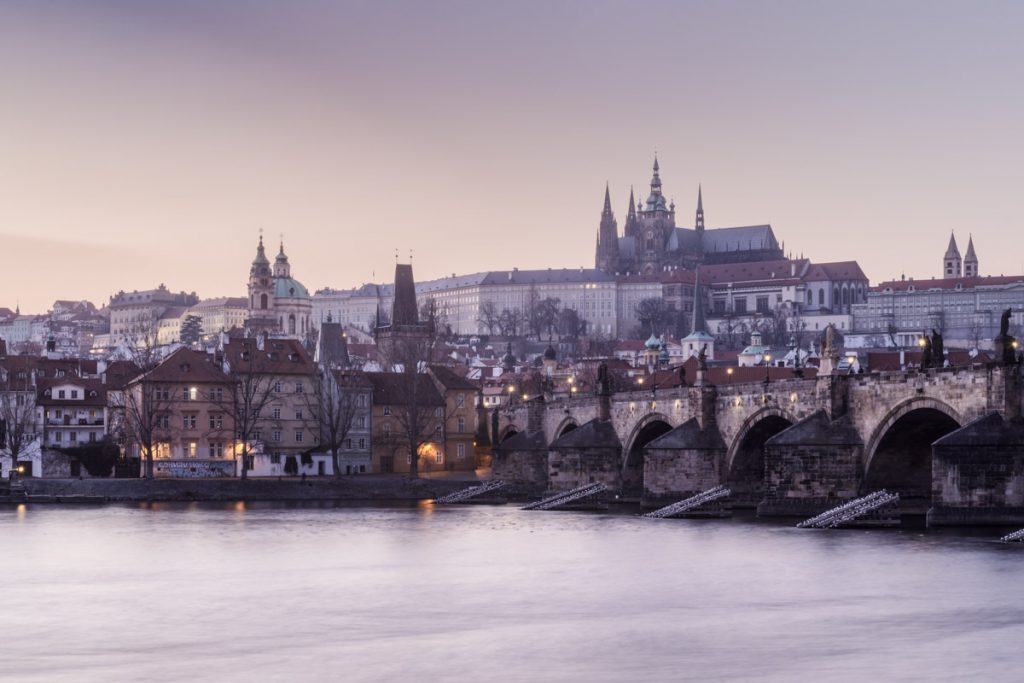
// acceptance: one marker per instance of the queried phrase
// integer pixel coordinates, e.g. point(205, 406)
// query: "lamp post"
point(767, 367)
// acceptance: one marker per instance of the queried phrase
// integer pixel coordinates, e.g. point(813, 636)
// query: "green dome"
point(653, 343)
point(285, 287)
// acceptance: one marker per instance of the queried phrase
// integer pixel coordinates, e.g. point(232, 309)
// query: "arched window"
point(810, 297)
point(263, 301)
point(821, 297)
point(846, 296)
point(835, 297)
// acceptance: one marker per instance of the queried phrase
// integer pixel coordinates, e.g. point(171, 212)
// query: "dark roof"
point(689, 435)
point(351, 380)
point(837, 270)
point(560, 275)
point(746, 238)
point(403, 309)
point(278, 357)
point(818, 429)
point(594, 434)
point(186, 365)
point(989, 430)
point(395, 388)
point(452, 380)
point(332, 348)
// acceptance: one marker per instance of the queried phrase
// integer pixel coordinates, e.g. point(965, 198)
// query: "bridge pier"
point(811, 467)
point(589, 454)
point(978, 474)
point(682, 463)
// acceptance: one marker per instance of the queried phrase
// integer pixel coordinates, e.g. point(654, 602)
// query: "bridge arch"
point(567, 425)
point(744, 461)
point(646, 430)
point(508, 432)
point(898, 456)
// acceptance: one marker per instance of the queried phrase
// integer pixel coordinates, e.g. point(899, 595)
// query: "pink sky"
point(148, 142)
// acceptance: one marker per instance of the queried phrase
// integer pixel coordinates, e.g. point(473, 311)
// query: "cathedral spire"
point(698, 306)
point(699, 223)
point(607, 252)
point(656, 178)
point(656, 201)
point(631, 214)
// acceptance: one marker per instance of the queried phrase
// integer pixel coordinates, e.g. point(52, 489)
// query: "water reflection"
point(254, 591)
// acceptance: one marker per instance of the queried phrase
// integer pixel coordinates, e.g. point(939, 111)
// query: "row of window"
point(58, 437)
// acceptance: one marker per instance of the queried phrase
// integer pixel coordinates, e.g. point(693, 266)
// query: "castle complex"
point(651, 242)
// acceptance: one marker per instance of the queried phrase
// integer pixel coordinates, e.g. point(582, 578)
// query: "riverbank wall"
point(368, 488)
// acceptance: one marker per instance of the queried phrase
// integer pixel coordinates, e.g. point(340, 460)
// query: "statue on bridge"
point(604, 384)
point(1006, 344)
point(938, 352)
point(926, 351)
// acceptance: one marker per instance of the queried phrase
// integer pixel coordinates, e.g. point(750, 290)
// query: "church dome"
point(287, 287)
point(653, 343)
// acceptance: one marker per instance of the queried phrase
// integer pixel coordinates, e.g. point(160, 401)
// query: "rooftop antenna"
point(410, 256)
point(396, 254)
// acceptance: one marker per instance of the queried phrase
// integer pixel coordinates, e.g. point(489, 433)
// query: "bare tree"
point(337, 406)
point(143, 404)
point(489, 317)
point(651, 314)
point(547, 315)
point(433, 315)
point(17, 414)
point(534, 321)
point(251, 392)
point(417, 414)
point(511, 322)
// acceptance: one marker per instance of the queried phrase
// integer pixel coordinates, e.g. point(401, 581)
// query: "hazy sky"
point(148, 141)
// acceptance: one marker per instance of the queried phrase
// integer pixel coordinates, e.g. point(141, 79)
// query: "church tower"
point(281, 266)
point(632, 227)
point(608, 238)
point(698, 224)
point(261, 285)
point(951, 262)
point(657, 220)
point(970, 260)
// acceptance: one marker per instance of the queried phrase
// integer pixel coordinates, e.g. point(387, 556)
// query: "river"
point(235, 593)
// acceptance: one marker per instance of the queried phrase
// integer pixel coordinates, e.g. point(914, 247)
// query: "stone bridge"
point(949, 440)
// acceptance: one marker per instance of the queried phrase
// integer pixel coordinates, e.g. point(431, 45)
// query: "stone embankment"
point(363, 488)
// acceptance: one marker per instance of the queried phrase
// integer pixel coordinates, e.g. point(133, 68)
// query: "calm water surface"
point(493, 594)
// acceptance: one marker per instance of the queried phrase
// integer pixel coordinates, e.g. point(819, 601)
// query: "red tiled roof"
point(881, 361)
point(278, 357)
point(186, 365)
point(948, 283)
point(754, 271)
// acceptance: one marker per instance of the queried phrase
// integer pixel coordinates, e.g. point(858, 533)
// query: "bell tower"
point(261, 285)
